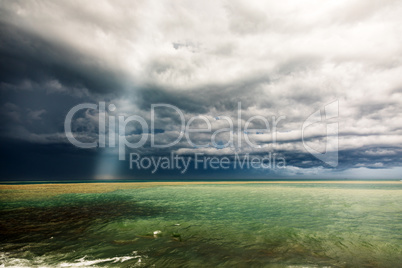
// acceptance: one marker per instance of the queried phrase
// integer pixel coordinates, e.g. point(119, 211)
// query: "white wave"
point(81, 262)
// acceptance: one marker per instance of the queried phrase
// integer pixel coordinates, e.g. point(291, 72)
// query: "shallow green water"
point(230, 225)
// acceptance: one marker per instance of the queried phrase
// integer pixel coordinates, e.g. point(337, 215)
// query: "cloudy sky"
point(325, 71)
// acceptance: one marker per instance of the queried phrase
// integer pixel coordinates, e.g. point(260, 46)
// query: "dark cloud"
point(30, 161)
point(275, 59)
point(202, 100)
point(28, 57)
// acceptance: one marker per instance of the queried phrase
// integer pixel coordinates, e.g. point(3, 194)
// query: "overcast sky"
point(277, 59)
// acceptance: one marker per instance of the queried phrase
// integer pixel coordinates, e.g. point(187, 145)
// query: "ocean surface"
point(205, 225)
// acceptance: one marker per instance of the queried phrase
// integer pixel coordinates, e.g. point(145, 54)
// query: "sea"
point(275, 224)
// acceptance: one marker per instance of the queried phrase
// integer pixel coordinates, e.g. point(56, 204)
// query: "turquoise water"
point(228, 225)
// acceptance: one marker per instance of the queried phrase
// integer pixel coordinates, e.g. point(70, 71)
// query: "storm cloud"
point(285, 59)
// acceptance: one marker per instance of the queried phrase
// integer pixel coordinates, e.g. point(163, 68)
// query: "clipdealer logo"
point(111, 136)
